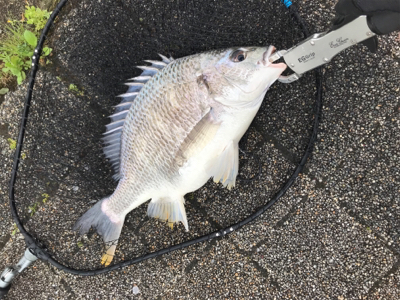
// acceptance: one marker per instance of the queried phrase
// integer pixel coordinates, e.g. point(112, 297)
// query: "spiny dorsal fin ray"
point(110, 141)
point(114, 125)
point(111, 147)
point(141, 78)
point(115, 130)
point(123, 106)
point(156, 63)
point(119, 116)
point(112, 136)
point(148, 70)
point(139, 85)
point(126, 95)
point(165, 59)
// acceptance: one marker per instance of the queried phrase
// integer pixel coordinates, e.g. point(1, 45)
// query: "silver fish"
point(178, 125)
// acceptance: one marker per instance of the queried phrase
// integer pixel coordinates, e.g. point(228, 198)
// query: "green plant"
point(15, 51)
point(73, 88)
point(16, 229)
point(36, 16)
point(3, 91)
point(18, 46)
point(46, 197)
point(12, 143)
point(33, 208)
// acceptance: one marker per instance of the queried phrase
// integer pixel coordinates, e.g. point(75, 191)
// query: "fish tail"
point(109, 229)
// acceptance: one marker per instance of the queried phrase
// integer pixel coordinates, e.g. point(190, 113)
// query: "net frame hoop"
point(38, 250)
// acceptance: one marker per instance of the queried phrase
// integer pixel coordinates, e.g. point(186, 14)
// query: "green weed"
point(32, 209)
point(16, 229)
point(46, 197)
point(36, 17)
point(12, 143)
point(16, 49)
point(3, 91)
point(73, 88)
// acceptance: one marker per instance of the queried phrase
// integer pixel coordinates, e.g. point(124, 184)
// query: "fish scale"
point(179, 124)
point(154, 113)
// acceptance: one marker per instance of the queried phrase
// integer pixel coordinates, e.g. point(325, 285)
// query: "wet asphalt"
point(335, 234)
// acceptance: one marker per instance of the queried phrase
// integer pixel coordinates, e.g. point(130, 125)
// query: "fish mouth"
point(265, 58)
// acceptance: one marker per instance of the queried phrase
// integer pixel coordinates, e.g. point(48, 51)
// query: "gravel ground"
point(336, 232)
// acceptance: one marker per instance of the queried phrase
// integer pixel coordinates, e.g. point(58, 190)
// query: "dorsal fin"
point(112, 136)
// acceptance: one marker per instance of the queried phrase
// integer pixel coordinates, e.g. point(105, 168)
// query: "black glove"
point(383, 16)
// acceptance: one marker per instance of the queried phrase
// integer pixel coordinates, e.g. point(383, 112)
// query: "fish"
point(177, 126)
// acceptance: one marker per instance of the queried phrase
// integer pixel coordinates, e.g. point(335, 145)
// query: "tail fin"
point(109, 230)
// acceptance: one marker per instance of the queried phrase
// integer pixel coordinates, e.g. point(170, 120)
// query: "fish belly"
point(195, 172)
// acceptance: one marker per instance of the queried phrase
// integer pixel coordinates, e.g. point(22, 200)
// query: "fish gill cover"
point(95, 50)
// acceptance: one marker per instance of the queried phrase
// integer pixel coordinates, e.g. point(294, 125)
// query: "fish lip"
point(265, 58)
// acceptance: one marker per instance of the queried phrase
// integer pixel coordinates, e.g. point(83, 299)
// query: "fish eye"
point(238, 56)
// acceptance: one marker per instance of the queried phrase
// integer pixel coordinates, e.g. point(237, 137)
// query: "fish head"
point(243, 75)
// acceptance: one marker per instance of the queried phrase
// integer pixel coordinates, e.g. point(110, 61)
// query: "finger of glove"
point(347, 7)
point(360, 7)
point(384, 22)
point(372, 6)
point(339, 20)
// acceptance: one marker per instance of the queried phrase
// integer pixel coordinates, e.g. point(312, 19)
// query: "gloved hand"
point(383, 16)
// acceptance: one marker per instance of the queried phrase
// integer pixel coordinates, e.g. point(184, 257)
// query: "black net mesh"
point(95, 50)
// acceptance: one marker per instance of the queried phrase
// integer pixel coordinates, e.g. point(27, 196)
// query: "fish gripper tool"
point(320, 48)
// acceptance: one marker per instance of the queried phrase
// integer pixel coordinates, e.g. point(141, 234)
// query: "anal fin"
point(224, 168)
point(168, 209)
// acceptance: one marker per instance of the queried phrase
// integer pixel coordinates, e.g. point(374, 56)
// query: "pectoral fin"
point(224, 168)
point(198, 138)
